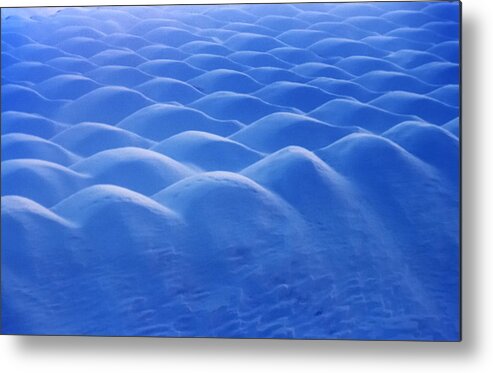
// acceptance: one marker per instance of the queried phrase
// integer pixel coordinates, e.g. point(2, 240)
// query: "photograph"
point(242, 171)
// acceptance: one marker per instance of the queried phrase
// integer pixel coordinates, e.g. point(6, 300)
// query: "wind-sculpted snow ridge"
point(276, 170)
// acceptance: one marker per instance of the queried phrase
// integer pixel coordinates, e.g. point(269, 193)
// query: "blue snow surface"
point(258, 171)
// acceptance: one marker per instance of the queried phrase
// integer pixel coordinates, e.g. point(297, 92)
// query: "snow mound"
point(241, 27)
point(257, 59)
point(253, 42)
point(441, 73)
point(66, 86)
point(432, 144)
point(119, 75)
point(217, 206)
point(172, 36)
point(358, 156)
point(117, 57)
point(354, 10)
point(340, 29)
point(409, 18)
point(31, 124)
point(92, 107)
point(37, 52)
point(448, 94)
point(30, 71)
point(170, 69)
point(344, 112)
point(295, 55)
point(21, 145)
point(268, 75)
point(160, 121)
point(300, 38)
point(205, 47)
point(208, 62)
point(71, 64)
point(8, 59)
point(426, 108)
point(88, 138)
point(278, 130)
point(340, 87)
point(318, 69)
point(28, 214)
point(161, 52)
point(207, 151)
point(372, 23)
point(299, 176)
point(341, 47)
point(137, 169)
point(453, 127)
point(168, 89)
point(231, 14)
point(126, 41)
point(388, 81)
point(236, 106)
point(93, 202)
point(445, 28)
point(68, 32)
point(442, 11)
point(24, 99)
point(359, 65)
point(15, 39)
point(412, 58)
point(41, 181)
point(420, 35)
point(281, 22)
point(82, 46)
point(225, 80)
point(297, 95)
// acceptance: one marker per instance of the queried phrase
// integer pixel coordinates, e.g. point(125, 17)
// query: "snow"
point(137, 169)
point(259, 171)
point(20, 145)
point(160, 121)
point(167, 89)
point(90, 107)
point(344, 112)
point(88, 138)
point(296, 95)
point(208, 151)
point(278, 130)
point(225, 80)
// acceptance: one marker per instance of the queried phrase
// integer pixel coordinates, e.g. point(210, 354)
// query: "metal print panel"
point(250, 171)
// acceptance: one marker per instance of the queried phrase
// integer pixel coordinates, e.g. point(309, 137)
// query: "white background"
point(474, 354)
